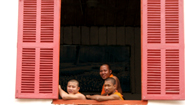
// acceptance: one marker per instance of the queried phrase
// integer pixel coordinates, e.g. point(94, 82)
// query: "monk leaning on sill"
point(73, 91)
point(110, 91)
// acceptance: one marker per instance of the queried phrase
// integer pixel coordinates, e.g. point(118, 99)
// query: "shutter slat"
point(28, 83)
point(29, 21)
point(46, 70)
point(153, 21)
point(173, 56)
point(171, 16)
point(47, 21)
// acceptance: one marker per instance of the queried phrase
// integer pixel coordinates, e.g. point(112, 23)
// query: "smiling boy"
point(110, 91)
point(73, 91)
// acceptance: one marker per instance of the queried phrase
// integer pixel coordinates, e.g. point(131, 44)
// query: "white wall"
point(8, 45)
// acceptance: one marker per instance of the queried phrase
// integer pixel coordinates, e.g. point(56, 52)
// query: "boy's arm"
point(61, 91)
point(67, 96)
point(103, 98)
point(73, 97)
point(92, 96)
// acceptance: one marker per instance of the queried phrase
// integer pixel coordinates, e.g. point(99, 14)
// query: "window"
point(162, 49)
point(101, 33)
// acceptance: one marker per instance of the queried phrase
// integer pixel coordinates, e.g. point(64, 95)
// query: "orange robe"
point(103, 91)
point(119, 94)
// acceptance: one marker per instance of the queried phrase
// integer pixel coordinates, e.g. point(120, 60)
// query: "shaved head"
point(109, 67)
point(73, 80)
point(113, 81)
point(73, 86)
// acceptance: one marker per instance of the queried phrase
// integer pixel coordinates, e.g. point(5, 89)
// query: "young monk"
point(106, 72)
point(73, 91)
point(110, 91)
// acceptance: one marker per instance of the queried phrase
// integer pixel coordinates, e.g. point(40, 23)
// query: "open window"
point(161, 52)
point(94, 32)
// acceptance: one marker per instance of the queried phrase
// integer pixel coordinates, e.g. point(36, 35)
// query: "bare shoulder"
point(81, 96)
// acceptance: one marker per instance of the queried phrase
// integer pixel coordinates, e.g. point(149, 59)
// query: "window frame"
point(60, 101)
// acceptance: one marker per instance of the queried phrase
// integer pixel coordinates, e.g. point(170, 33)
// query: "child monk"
point(72, 91)
point(110, 91)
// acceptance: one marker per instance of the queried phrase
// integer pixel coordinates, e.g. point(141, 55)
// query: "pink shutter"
point(38, 49)
point(162, 50)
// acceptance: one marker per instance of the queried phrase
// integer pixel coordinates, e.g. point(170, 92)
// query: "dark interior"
point(94, 32)
point(100, 13)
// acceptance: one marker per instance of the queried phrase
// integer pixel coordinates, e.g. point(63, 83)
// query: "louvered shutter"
point(38, 49)
point(162, 50)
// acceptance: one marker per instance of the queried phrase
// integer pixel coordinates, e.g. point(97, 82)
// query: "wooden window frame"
point(60, 101)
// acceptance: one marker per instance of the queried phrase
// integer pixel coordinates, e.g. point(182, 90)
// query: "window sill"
point(128, 102)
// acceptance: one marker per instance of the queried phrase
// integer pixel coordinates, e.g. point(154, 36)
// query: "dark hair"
point(73, 80)
point(111, 79)
point(107, 65)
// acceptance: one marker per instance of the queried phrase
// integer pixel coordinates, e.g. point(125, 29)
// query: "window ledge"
point(128, 102)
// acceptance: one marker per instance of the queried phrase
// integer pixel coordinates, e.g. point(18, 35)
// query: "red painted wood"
point(162, 49)
point(110, 102)
point(38, 49)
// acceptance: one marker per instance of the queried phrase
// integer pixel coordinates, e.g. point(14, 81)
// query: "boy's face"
point(72, 88)
point(105, 72)
point(109, 87)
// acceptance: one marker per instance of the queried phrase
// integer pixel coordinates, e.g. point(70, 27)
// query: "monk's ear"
point(110, 71)
point(78, 88)
point(115, 86)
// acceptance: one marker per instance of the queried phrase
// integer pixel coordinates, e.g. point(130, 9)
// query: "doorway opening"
point(94, 32)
